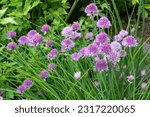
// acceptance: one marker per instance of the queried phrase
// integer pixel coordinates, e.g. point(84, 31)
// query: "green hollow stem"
point(72, 9)
point(117, 14)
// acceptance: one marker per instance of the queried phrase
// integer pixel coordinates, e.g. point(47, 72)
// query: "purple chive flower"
point(37, 38)
point(103, 22)
point(83, 51)
point(23, 40)
point(124, 67)
point(31, 33)
point(1, 98)
point(143, 72)
point(123, 33)
point(66, 31)
point(129, 41)
point(143, 86)
point(51, 66)
point(67, 44)
point(105, 48)
point(44, 74)
point(75, 26)
point(101, 38)
point(75, 35)
point(89, 36)
point(91, 10)
point(122, 53)
point(92, 50)
point(75, 56)
point(101, 65)
point(53, 53)
point(77, 75)
point(116, 46)
point(113, 57)
point(130, 78)
point(21, 89)
point(49, 43)
point(45, 28)
point(11, 45)
point(118, 37)
point(27, 84)
point(11, 34)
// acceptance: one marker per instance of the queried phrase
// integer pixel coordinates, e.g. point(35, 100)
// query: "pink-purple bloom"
point(129, 41)
point(130, 78)
point(11, 46)
point(67, 44)
point(49, 43)
point(122, 53)
point(45, 28)
point(75, 35)
point(75, 56)
point(124, 67)
point(89, 36)
point(11, 34)
point(44, 74)
point(83, 51)
point(91, 10)
point(143, 86)
point(123, 33)
point(113, 57)
point(51, 66)
point(53, 53)
point(101, 65)
point(105, 48)
point(35, 40)
point(116, 46)
point(77, 75)
point(92, 50)
point(21, 89)
point(103, 22)
point(66, 31)
point(101, 38)
point(118, 37)
point(31, 33)
point(143, 72)
point(23, 40)
point(28, 84)
point(75, 26)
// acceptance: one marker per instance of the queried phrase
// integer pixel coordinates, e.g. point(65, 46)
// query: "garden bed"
point(94, 58)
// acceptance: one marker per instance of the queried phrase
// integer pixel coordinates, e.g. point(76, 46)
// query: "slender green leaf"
point(2, 12)
point(8, 20)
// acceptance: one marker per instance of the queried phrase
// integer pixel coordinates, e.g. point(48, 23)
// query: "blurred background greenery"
point(23, 15)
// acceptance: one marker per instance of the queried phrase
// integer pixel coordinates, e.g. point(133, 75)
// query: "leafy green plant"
point(22, 15)
point(146, 6)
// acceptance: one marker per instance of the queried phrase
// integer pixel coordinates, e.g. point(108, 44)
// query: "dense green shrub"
point(22, 15)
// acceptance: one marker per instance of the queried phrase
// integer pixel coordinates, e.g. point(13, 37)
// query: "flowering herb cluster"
point(104, 50)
